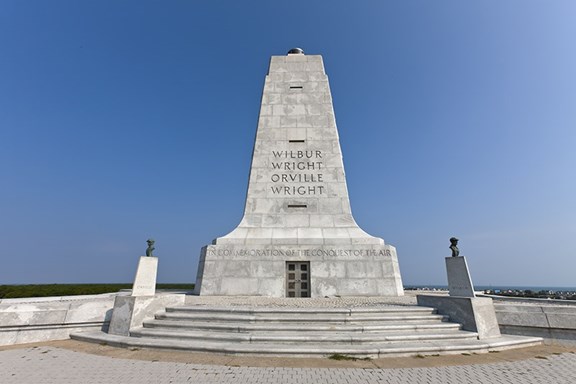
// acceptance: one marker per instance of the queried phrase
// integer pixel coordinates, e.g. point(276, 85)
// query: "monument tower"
point(297, 237)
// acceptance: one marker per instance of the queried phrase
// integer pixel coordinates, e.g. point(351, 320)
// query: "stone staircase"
point(389, 330)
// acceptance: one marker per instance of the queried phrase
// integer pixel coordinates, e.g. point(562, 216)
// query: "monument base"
point(299, 270)
point(476, 314)
point(145, 280)
point(131, 311)
point(459, 280)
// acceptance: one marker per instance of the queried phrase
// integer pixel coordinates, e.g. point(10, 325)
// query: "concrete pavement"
point(73, 362)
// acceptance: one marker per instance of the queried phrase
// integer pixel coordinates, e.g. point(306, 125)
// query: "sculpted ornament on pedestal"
point(454, 247)
point(150, 248)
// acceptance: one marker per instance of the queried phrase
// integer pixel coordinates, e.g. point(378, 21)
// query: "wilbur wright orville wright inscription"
point(297, 237)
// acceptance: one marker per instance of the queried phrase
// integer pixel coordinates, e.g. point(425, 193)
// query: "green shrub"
point(46, 290)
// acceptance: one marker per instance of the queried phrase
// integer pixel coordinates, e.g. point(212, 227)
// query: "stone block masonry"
point(297, 236)
point(355, 270)
point(52, 318)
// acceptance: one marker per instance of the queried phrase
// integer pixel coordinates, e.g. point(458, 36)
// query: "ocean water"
point(501, 287)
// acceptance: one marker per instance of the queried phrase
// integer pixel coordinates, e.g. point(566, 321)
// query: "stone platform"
point(356, 326)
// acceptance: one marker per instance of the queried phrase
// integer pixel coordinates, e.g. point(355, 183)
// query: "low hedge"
point(45, 290)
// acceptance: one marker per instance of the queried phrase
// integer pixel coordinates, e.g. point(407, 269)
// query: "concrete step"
point(279, 331)
point(407, 348)
point(313, 317)
point(303, 337)
point(284, 311)
point(298, 328)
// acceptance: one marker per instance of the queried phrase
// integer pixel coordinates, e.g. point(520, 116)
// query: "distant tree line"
point(46, 290)
point(559, 295)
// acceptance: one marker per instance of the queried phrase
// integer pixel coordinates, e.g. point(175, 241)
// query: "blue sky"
point(124, 120)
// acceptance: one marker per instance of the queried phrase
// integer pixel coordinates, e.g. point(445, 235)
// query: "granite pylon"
point(298, 237)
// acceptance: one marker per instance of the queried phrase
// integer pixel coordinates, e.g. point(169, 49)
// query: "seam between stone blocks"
point(546, 316)
point(69, 307)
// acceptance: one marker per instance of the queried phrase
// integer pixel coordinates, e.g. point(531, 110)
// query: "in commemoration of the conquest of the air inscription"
point(297, 236)
point(314, 252)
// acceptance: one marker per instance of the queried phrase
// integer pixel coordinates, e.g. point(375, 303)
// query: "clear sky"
point(124, 120)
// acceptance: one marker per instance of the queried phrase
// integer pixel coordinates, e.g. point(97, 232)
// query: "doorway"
point(297, 279)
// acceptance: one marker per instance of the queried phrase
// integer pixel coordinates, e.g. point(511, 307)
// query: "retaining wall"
point(52, 318)
point(551, 321)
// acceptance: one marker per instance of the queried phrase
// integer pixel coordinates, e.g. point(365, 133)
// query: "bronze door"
point(297, 279)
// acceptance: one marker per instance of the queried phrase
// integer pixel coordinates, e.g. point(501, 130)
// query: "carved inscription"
point(297, 167)
point(297, 252)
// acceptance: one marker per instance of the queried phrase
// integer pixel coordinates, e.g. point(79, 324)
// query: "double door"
point(297, 279)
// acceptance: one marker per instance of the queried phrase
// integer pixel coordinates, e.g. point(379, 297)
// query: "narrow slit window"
point(296, 87)
point(296, 141)
point(297, 206)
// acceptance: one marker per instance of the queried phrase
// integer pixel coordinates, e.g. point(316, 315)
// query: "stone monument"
point(476, 314)
point(146, 273)
point(459, 279)
point(129, 311)
point(297, 237)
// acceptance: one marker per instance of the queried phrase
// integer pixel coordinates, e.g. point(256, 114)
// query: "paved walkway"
point(53, 364)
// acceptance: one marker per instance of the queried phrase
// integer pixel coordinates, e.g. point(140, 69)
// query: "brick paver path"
point(47, 364)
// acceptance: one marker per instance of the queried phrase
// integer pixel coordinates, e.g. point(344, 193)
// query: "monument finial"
point(296, 51)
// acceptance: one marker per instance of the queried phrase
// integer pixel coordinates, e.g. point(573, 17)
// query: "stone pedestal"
point(334, 270)
point(131, 311)
point(297, 212)
point(476, 314)
point(145, 280)
point(459, 280)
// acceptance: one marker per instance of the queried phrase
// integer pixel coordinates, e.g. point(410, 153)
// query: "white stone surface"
point(549, 320)
point(476, 314)
point(353, 270)
point(297, 202)
point(131, 311)
point(145, 280)
point(459, 280)
point(52, 318)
